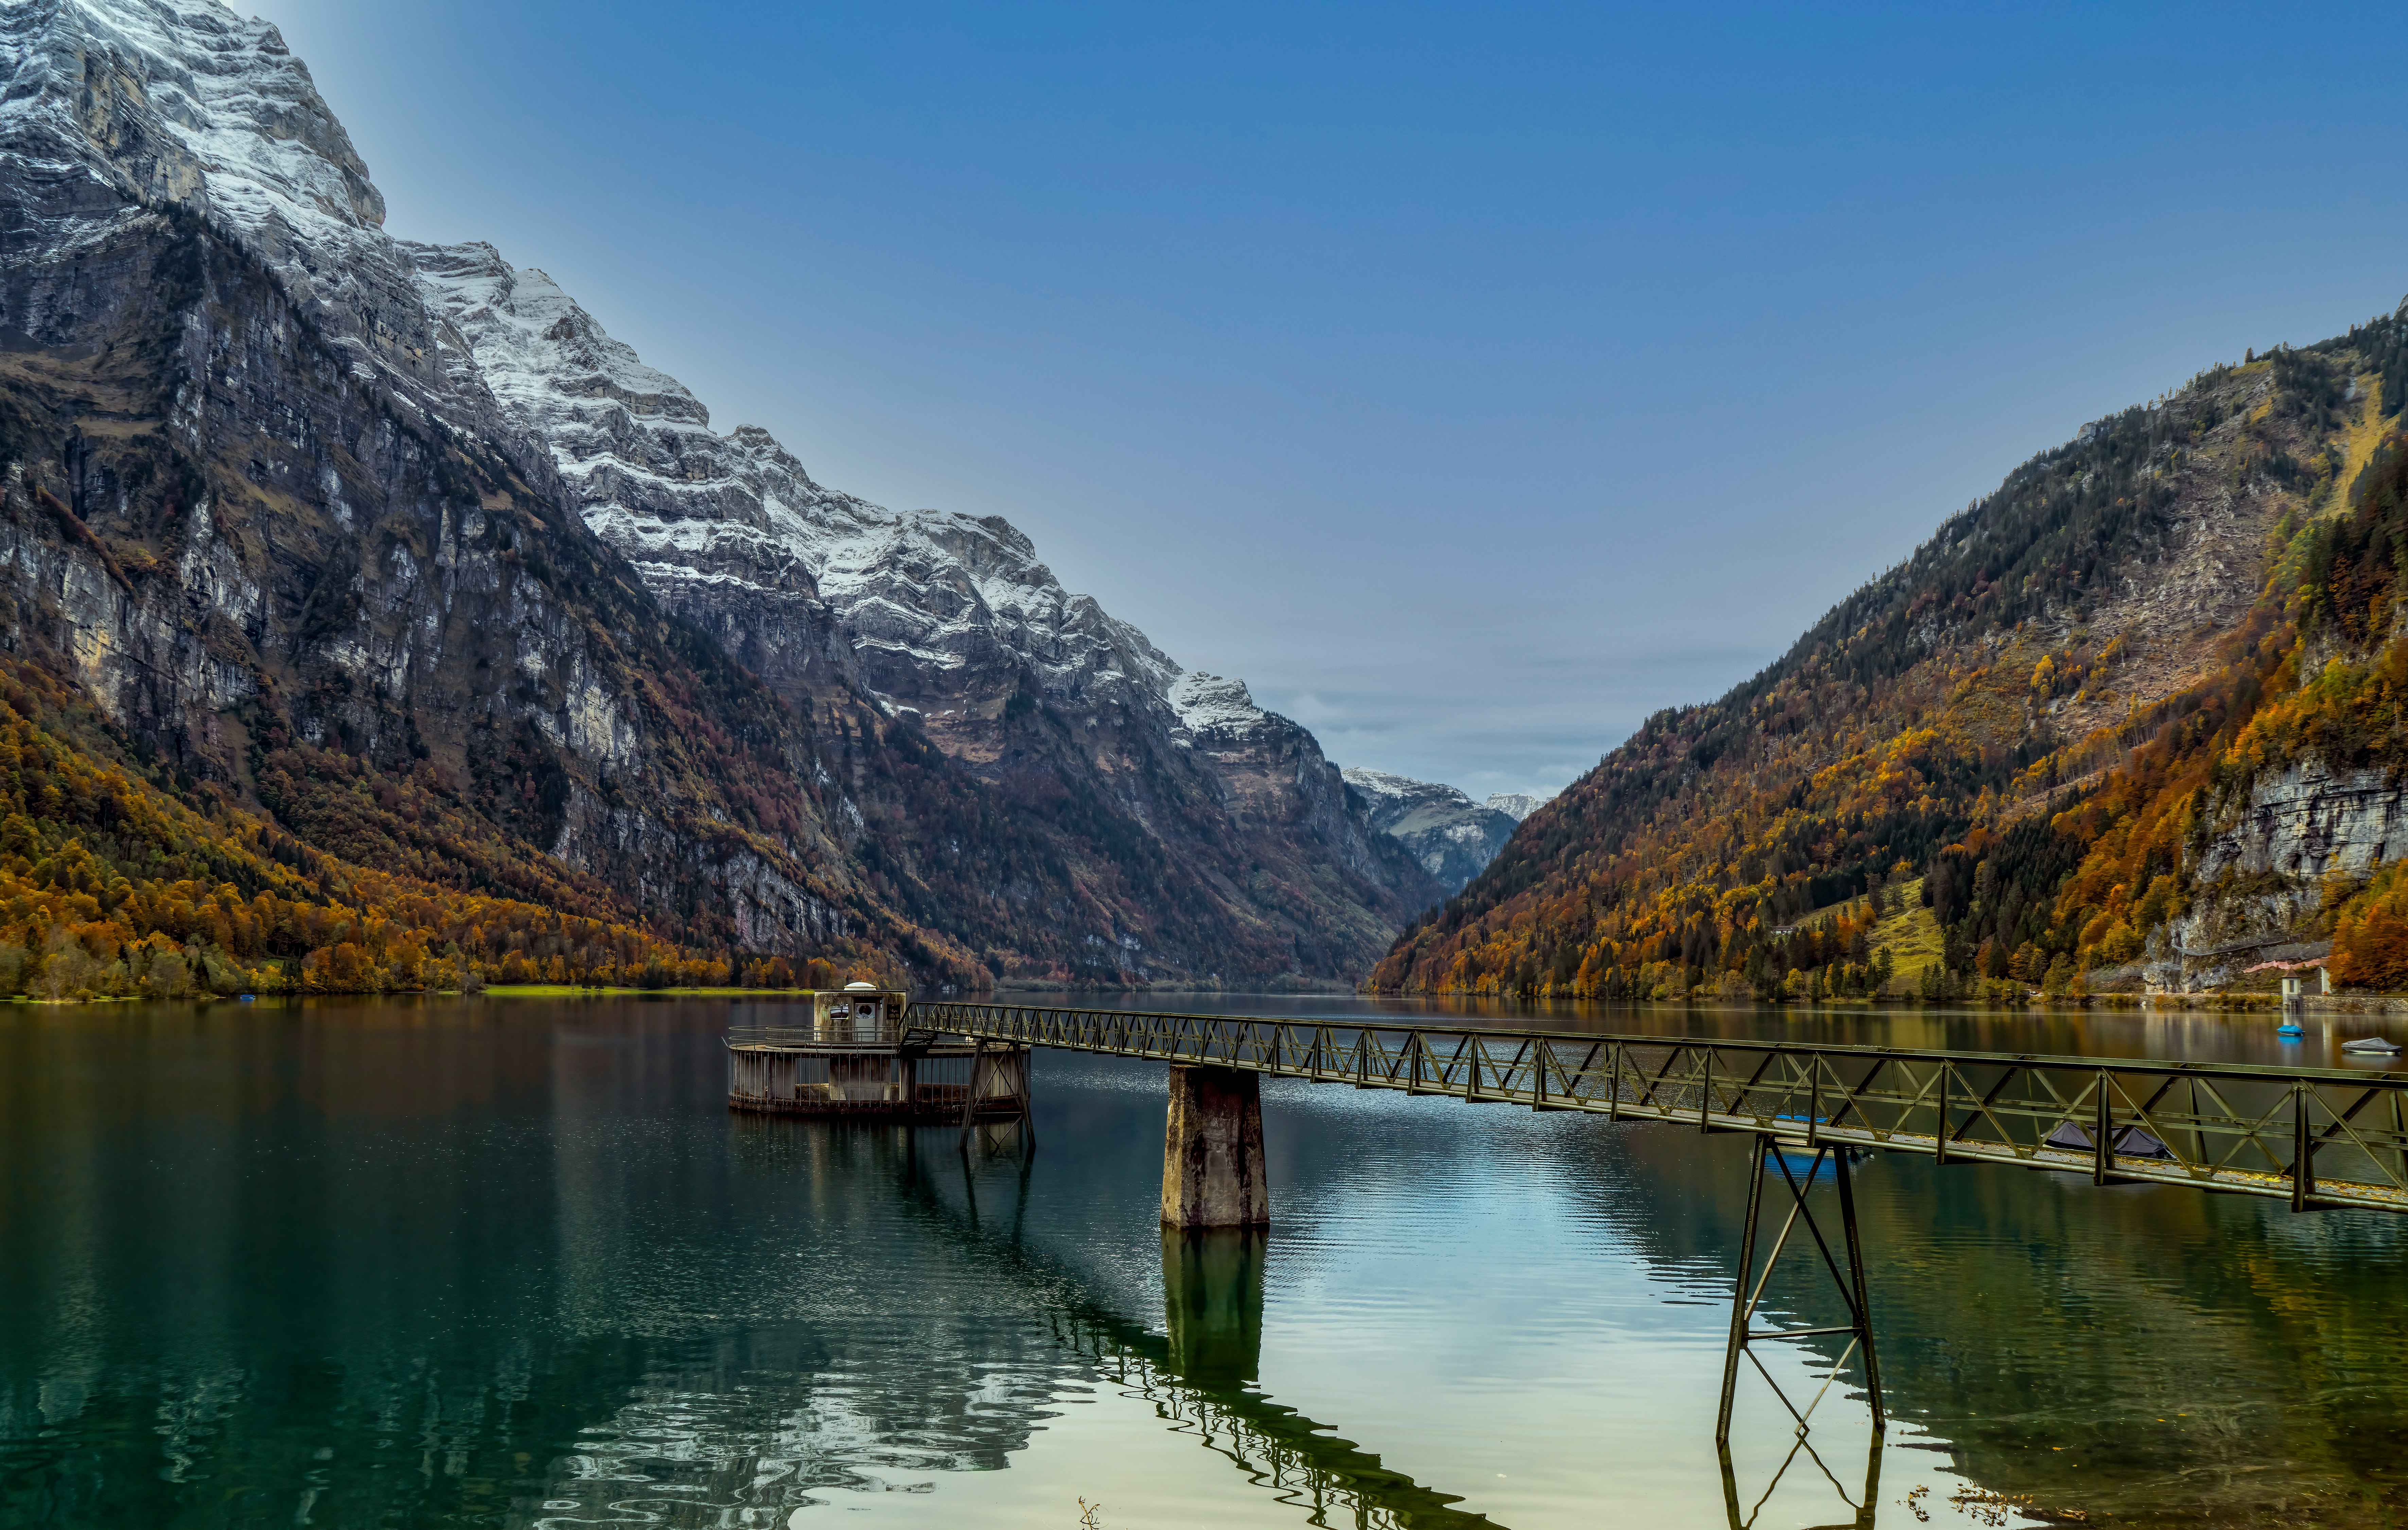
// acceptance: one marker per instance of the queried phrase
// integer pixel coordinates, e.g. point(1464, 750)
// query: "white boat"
point(2372, 1045)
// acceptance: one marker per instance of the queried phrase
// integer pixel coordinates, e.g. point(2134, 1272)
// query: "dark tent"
point(2132, 1142)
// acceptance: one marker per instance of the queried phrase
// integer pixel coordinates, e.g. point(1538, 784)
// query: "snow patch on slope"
point(1208, 703)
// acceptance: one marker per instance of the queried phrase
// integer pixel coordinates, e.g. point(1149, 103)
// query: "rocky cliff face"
point(2264, 865)
point(1452, 836)
point(251, 507)
point(397, 542)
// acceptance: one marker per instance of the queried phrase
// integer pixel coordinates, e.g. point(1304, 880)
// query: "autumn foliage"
point(1911, 734)
point(116, 879)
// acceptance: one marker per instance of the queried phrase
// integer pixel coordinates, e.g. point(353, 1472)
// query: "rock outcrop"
point(2262, 870)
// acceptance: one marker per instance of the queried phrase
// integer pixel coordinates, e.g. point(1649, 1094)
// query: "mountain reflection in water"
point(512, 1262)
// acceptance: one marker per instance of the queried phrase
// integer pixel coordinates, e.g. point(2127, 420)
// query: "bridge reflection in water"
point(1201, 1372)
point(2318, 1138)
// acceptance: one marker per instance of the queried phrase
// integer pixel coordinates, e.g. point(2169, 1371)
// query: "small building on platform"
point(852, 1053)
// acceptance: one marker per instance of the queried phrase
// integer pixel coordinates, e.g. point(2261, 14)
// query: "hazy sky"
point(1472, 379)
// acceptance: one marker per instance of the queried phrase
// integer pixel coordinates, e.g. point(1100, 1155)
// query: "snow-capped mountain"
point(732, 532)
point(719, 525)
point(412, 508)
point(184, 104)
point(948, 616)
point(1453, 837)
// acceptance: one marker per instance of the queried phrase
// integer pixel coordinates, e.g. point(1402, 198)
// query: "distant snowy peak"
point(184, 103)
point(1517, 805)
point(1398, 793)
point(704, 516)
point(1453, 837)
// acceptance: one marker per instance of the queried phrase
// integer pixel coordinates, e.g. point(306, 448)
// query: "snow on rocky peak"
point(183, 100)
point(184, 103)
point(1453, 837)
point(1391, 791)
point(677, 499)
point(1517, 805)
point(1208, 703)
point(707, 518)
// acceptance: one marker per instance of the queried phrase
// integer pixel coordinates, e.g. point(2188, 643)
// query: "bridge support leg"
point(1845, 1267)
point(1213, 1172)
point(999, 1075)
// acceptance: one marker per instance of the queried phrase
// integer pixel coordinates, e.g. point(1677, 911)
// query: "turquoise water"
point(512, 1262)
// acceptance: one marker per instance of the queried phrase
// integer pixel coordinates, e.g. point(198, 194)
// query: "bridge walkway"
point(2319, 1138)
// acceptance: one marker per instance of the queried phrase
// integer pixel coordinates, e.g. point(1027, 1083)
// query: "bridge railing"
point(2317, 1137)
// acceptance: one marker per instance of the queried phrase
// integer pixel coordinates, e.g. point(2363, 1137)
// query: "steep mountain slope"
point(118, 876)
point(306, 510)
point(251, 509)
point(1452, 836)
point(2115, 709)
point(1207, 837)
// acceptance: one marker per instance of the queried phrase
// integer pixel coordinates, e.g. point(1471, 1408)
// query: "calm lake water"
point(512, 1262)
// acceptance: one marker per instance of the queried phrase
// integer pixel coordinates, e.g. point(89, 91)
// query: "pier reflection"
point(1212, 1305)
point(1199, 1371)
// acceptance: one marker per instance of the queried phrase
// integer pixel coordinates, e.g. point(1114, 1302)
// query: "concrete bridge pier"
point(1213, 1173)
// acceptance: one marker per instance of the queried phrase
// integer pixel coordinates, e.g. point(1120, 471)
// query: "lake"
point(510, 1261)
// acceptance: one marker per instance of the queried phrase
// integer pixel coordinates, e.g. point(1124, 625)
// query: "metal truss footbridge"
point(2318, 1138)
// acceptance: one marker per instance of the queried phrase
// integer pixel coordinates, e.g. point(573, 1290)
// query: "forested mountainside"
point(268, 513)
point(119, 874)
point(2135, 716)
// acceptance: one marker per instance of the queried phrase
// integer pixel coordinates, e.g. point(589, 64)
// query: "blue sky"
point(1471, 380)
